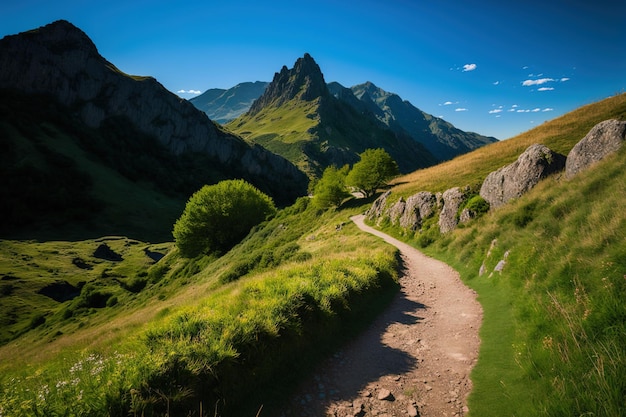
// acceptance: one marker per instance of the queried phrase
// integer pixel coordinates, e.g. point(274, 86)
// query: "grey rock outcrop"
point(60, 61)
point(452, 200)
point(602, 140)
point(417, 208)
point(513, 180)
point(378, 207)
point(397, 210)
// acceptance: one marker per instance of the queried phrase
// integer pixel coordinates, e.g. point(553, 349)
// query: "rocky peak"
point(304, 81)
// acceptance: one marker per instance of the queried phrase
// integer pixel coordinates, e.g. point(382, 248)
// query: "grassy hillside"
point(560, 135)
point(284, 130)
point(124, 334)
point(554, 330)
point(199, 336)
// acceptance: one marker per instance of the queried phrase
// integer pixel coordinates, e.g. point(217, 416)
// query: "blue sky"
point(498, 68)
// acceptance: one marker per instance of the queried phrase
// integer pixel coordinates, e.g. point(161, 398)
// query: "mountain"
point(69, 113)
point(299, 118)
point(223, 105)
point(441, 138)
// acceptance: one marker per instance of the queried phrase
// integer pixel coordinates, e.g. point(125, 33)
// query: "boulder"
point(396, 211)
point(378, 207)
point(514, 180)
point(418, 207)
point(602, 140)
point(452, 200)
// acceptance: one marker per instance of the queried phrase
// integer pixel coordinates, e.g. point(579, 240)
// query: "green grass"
point(209, 333)
point(553, 339)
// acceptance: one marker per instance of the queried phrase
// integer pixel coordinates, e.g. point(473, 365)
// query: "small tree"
point(331, 190)
point(218, 216)
point(374, 169)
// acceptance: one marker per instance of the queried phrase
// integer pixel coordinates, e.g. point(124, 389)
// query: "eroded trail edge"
point(415, 358)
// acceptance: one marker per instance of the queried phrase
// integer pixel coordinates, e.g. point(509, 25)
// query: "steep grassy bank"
point(554, 333)
point(224, 335)
point(560, 135)
point(554, 330)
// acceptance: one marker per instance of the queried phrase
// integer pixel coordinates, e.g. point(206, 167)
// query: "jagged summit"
point(304, 81)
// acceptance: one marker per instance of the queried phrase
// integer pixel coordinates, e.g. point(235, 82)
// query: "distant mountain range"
point(223, 105)
point(442, 140)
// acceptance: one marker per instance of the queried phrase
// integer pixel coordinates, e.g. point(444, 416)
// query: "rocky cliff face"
point(59, 60)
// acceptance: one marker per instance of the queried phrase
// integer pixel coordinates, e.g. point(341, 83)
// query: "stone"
point(378, 206)
point(452, 200)
point(514, 180)
point(418, 207)
point(396, 211)
point(385, 395)
point(603, 139)
point(412, 411)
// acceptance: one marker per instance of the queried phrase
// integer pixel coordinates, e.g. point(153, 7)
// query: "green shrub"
point(477, 205)
point(218, 216)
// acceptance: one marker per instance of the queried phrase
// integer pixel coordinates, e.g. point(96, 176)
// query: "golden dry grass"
point(560, 135)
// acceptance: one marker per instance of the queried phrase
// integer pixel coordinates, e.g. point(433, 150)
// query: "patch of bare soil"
point(414, 360)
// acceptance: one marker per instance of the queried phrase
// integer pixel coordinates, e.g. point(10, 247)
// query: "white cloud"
point(496, 83)
point(515, 106)
point(564, 79)
point(469, 67)
point(536, 110)
point(495, 111)
point(548, 109)
point(447, 103)
point(545, 89)
point(460, 109)
point(540, 81)
point(189, 92)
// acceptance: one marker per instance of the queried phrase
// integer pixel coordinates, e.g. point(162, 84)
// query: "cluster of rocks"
point(501, 186)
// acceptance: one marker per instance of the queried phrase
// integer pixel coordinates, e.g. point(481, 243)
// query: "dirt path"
point(414, 360)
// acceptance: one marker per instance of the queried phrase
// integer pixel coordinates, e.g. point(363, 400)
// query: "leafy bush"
point(218, 216)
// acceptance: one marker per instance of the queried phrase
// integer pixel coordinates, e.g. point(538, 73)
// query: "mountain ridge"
point(224, 105)
point(100, 113)
point(299, 118)
point(306, 81)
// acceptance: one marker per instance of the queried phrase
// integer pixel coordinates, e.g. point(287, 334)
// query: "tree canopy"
point(374, 169)
point(218, 216)
point(331, 190)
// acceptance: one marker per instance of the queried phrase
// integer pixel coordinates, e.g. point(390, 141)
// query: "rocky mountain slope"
point(223, 105)
point(299, 118)
point(111, 116)
point(441, 138)
point(390, 111)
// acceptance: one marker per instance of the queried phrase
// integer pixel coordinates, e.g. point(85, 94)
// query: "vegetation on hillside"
point(209, 334)
point(554, 329)
point(133, 333)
